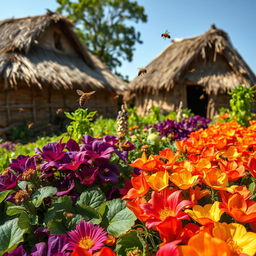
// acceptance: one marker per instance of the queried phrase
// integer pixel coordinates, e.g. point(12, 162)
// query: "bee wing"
point(92, 92)
point(79, 92)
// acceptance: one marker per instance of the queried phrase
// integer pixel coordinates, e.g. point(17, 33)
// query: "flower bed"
point(87, 199)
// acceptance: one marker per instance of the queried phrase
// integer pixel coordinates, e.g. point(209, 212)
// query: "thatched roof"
point(24, 61)
point(208, 60)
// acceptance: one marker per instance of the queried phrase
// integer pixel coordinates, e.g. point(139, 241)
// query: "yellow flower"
point(236, 236)
point(184, 179)
point(159, 180)
point(207, 214)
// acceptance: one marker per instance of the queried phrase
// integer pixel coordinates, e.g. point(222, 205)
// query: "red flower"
point(163, 205)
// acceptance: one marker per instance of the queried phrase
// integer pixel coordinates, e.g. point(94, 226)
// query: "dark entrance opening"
point(197, 100)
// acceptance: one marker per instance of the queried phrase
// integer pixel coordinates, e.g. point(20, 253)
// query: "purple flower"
point(72, 160)
point(112, 140)
point(52, 151)
point(87, 174)
point(19, 251)
point(23, 163)
point(7, 180)
point(56, 246)
point(8, 146)
point(87, 139)
point(41, 233)
point(98, 149)
point(107, 171)
point(65, 185)
point(181, 130)
point(39, 249)
point(72, 145)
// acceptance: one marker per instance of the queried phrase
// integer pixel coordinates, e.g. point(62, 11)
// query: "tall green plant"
point(80, 124)
point(241, 104)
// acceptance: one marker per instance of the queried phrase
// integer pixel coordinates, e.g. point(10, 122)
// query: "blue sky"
point(182, 18)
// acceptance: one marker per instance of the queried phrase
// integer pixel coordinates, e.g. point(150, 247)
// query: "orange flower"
point(134, 205)
point(216, 179)
point(234, 169)
point(231, 153)
point(159, 180)
point(133, 127)
point(184, 179)
point(197, 193)
point(237, 238)
point(236, 206)
point(168, 157)
point(252, 166)
point(203, 244)
point(206, 214)
point(140, 187)
point(242, 190)
point(150, 164)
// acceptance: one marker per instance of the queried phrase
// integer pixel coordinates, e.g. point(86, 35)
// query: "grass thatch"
point(209, 60)
point(24, 61)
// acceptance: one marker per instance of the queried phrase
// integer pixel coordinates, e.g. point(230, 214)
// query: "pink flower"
point(87, 236)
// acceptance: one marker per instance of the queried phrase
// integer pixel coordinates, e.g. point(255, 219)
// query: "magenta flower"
point(87, 236)
point(23, 163)
point(7, 180)
point(19, 251)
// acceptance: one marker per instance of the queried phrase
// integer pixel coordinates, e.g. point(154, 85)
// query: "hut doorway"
point(197, 100)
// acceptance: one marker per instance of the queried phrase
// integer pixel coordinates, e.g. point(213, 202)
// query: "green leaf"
point(15, 209)
point(120, 218)
point(4, 194)
point(75, 221)
point(41, 194)
point(130, 241)
point(87, 211)
point(25, 220)
point(58, 207)
point(56, 227)
point(93, 197)
point(252, 188)
point(11, 235)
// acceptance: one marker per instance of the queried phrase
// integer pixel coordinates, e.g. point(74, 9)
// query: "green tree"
point(105, 27)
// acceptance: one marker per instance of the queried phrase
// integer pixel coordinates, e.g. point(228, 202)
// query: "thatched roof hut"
point(42, 63)
point(198, 71)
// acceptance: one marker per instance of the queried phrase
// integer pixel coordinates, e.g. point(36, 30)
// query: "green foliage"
point(241, 104)
point(153, 117)
point(119, 218)
point(129, 242)
point(103, 126)
point(103, 26)
point(80, 124)
point(41, 194)
point(11, 235)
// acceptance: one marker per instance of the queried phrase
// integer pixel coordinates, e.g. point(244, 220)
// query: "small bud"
point(144, 148)
point(21, 196)
point(28, 174)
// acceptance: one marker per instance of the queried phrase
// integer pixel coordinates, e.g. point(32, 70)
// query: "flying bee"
point(59, 111)
point(30, 125)
point(84, 96)
point(142, 71)
point(166, 34)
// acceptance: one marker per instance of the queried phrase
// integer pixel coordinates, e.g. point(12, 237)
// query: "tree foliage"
point(105, 26)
